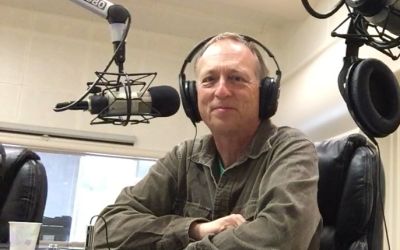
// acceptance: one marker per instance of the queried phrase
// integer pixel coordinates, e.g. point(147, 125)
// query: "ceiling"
point(187, 18)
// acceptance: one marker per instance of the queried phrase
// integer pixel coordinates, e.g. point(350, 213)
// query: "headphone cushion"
point(189, 98)
point(374, 94)
point(193, 100)
point(269, 95)
point(189, 92)
point(184, 96)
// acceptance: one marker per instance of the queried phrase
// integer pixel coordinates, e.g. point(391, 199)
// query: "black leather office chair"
point(351, 189)
point(23, 189)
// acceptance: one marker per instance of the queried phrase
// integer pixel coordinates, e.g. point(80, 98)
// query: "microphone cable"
point(318, 15)
point(90, 231)
point(379, 190)
point(101, 74)
point(128, 94)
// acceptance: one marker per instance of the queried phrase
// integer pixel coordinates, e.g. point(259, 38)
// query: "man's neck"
point(232, 146)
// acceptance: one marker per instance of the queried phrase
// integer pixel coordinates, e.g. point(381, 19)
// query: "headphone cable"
point(194, 140)
point(318, 15)
point(106, 229)
point(379, 194)
point(100, 74)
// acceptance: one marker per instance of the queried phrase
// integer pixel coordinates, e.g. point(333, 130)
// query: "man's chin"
point(223, 126)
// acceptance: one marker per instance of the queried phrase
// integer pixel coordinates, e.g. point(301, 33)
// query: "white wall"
point(47, 59)
point(390, 147)
point(310, 99)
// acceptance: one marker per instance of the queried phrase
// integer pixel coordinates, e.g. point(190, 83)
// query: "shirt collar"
point(207, 151)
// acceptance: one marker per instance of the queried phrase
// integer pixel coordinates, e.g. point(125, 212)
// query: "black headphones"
point(372, 95)
point(269, 87)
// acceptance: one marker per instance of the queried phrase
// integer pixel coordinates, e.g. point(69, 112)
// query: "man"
point(248, 185)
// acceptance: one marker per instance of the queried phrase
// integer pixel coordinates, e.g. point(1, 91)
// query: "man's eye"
point(237, 79)
point(208, 81)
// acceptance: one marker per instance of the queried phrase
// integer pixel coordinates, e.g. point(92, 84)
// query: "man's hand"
point(198, 230)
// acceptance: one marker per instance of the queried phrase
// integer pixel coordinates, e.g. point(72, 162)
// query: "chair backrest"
point(23, 189)
point(350, 194)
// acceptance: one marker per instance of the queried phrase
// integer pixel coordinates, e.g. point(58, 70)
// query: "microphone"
point(158, 101)
point(383, 13)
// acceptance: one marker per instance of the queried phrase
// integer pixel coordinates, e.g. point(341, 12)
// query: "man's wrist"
point(194, 231)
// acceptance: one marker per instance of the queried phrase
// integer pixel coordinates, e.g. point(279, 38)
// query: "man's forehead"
point(224, 47)
point(229, 51)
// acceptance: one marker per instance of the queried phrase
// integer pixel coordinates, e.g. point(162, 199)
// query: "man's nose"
point(222, 88)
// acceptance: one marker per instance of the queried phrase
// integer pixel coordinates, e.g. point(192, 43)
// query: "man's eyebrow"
point(206, 71)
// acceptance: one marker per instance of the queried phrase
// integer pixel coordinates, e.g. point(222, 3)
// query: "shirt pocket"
point(195, 210)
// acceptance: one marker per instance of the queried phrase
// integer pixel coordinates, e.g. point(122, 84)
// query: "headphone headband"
point(201, 44)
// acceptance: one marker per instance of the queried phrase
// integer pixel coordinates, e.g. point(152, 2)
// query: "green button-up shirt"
point(273, 185)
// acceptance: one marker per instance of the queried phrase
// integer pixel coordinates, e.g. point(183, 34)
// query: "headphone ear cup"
point(374, 97)
point(189, 99)
point(193, 101)
point(269, 95)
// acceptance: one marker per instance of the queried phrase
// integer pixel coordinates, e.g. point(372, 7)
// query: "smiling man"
point(247, 185)
point(228, 96)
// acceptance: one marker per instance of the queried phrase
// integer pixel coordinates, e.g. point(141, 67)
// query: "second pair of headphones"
point(372, 95)
point(269, 86)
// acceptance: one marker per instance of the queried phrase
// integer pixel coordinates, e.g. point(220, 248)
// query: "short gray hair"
point(262, 70)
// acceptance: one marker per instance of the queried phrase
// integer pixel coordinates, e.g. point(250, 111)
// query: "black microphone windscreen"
point(165, 101)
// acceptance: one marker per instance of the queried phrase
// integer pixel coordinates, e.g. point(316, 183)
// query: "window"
point(80, 186)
